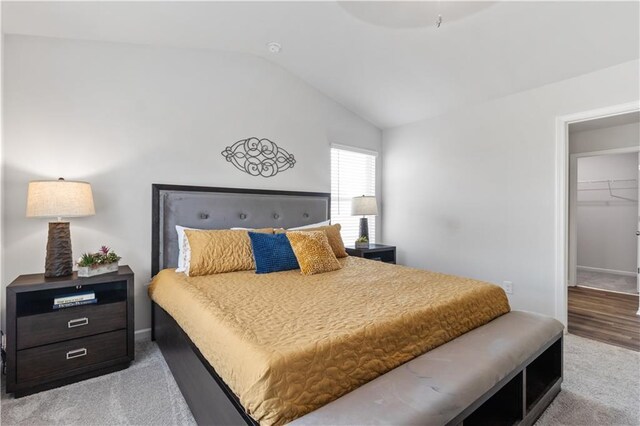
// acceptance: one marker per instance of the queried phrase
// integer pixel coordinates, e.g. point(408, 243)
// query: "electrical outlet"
point(507, 286)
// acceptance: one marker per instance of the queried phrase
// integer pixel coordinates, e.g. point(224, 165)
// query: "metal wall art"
point(259, 157)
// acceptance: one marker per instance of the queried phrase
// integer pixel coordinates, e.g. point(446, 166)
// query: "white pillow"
point(313, 225)
point(184, 251)
point(187, 256)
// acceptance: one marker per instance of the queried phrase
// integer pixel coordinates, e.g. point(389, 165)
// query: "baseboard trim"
point(144, 334)
point(608, 271)
point(606, 290)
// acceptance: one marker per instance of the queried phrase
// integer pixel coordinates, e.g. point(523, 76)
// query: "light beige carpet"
point(606, 281)
point(601, 387)
point(143, 394)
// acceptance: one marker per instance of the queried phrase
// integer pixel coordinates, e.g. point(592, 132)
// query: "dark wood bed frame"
point(520, 398)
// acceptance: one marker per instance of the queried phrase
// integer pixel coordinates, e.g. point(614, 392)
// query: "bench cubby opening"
point(521, 400)
point(543, 373)
point(504, 408)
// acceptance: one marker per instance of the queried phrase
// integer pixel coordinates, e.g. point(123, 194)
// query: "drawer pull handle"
point(76, 353)
point(78, 322)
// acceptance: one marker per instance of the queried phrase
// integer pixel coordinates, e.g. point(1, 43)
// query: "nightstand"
point(379, 252)
point(48, 348)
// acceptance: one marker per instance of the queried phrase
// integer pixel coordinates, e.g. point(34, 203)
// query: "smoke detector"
point(274, 47)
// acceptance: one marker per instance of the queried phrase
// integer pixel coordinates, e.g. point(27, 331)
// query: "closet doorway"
point(604, 230)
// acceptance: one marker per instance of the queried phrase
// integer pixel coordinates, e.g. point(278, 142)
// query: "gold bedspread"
point(287, 344)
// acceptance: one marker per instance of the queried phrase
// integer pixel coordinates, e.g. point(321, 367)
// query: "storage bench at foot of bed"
point(503, 373)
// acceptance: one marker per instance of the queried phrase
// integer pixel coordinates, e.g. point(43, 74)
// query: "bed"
point(303, 369)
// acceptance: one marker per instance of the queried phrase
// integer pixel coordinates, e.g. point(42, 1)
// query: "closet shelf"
point(611, 187)
point(608, 181)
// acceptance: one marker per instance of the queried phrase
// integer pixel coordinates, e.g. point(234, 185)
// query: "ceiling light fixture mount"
point(274, 47)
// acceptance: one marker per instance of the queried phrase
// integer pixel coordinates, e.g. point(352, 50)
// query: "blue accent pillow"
point(272, 253)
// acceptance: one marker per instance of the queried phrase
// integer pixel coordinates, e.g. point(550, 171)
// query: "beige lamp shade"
point(364, 206)
point(59, 198)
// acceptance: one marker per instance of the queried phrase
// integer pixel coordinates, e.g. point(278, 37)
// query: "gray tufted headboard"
point(219, 208)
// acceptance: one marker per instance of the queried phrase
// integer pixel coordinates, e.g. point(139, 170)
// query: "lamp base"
point(364, 228)
point(59, 261)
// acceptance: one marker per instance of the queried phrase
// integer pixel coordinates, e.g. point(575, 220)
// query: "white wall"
point(614, 137)
point(607, 226)
point(123, 117)
point(472, 192)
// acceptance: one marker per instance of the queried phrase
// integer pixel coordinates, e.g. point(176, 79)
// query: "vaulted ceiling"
point(386, 61)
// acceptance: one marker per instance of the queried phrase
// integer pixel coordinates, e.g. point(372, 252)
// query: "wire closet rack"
point(615, 187)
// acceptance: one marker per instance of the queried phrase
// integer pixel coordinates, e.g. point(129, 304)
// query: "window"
point(353, 173)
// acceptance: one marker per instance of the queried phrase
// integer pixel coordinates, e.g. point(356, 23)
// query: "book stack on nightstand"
point(62, 330)
point(380, 252)
point(76, 299)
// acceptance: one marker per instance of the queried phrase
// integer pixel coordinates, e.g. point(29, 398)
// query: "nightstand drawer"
point(64, 357)
point(70, 323)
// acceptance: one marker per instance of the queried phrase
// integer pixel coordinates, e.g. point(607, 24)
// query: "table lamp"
point(57, 199)
point(365, 205)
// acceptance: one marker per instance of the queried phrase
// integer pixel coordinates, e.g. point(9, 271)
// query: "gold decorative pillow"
point(313, 252)
point(217, 251)
point(333, 235)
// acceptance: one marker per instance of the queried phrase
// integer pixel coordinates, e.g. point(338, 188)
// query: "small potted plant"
point(362, 242)
point(101, 262)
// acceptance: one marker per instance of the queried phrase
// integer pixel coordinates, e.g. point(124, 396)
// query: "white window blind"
point(353, 173)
